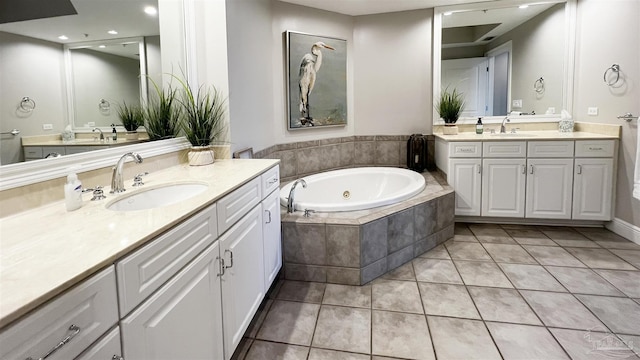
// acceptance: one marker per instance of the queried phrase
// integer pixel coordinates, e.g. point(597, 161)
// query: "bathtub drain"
point(346, 194)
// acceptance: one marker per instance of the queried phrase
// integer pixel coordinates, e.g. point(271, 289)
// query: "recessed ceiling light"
point(63, 37)
point(448, 13)
point(150, 10)
point(112, 32)
point(102, 46)
point(523, 6)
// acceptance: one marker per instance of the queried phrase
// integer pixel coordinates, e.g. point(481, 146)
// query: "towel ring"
point(27, 104)
point(538, 86)
point(616, 69)
point(104, 105)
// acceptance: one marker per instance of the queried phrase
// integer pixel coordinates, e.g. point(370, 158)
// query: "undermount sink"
point(157, 196)
point(513, 135)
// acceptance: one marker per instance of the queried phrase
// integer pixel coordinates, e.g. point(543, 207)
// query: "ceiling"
point(368, 7)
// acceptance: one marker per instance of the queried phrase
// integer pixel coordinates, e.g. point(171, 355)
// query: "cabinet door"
point(465, 175)
point(592, 189)
point(503, 187)
point(183, 319)
point(243, 280)
point(271, 238)
point(107, 348)
point(549, 188)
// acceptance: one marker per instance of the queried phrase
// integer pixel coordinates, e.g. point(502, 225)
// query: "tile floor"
point(491, 292)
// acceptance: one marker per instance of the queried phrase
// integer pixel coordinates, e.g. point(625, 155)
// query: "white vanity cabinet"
point(503, 178)
point(107, 348)
point(593, 180)
point(464, 174)
point(68, 325)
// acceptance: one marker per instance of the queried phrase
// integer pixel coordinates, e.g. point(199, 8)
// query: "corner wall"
point(608, 34)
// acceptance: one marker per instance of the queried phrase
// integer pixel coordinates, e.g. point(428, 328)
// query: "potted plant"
point(131, 117)
point(162, 113)
point(202, 121)
point(450, 106)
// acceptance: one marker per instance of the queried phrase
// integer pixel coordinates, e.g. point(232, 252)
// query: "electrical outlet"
point(91, 124)
point(47, 126)
point(592, 111)
point(517, 104)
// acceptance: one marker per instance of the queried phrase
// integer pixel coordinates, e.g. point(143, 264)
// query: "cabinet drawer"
point(504, 149)
point(465, 149)
point(108, 348)
point(270, 180)
point(143, 272)
point(595, 148)
point(235, 205)
point(33, 152)
point(550, 149)
point(90, 307)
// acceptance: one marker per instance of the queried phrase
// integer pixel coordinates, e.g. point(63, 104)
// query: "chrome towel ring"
point(615, 68)
point(27, 104)
point(538, 86)
point(104, 105)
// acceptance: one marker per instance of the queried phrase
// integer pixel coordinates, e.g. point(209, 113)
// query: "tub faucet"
point(117, 183)
point(101, 134)
point(503, 129)
point(290, 207)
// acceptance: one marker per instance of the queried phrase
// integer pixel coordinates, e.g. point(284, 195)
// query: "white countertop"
point(45, 251)
point(525, 135)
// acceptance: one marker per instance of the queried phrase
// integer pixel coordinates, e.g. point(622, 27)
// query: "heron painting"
point(317, 81)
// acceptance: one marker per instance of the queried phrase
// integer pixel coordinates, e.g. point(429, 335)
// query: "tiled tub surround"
point(356, 247)
point(310, 157)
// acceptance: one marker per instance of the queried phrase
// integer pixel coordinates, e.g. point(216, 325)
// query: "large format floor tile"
point(396, 296)
point(310, 292)
point(461, 339)
point(631, 256)
point(447, 300)
point(436, 270)
point(621, 315)
point(525, 342)
point(343, 328)
point(600, 259)
point(401, 335)
point(348, 295)
point(553, 255)
point(482, 274)
point(627, 281)
point(438, 252)
point(290, 322)
point(592, 345)
point(505, 253)
point(583, 281)
point(560, 310)
point(504, 305)
point(323, 354)
point(531, 277)
point(530, 237)
point(261, 350)
point(467, 251)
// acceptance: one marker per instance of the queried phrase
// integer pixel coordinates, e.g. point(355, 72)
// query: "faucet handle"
point(307, 212)
point(137, 180)
point(513, 130)
point(98, 193)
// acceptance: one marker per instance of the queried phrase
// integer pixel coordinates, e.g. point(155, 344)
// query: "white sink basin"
point(157, 196)
point(513, 135)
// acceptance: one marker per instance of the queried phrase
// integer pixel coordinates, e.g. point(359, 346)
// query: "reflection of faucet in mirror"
point(101, 134)
point(503, 129)
point(117, 183)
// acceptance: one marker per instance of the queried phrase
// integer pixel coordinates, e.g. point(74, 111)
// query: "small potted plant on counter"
point(132, 117)
point(202, 121)
point(450, 106)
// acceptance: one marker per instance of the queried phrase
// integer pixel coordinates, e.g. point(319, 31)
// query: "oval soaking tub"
point(354, 189)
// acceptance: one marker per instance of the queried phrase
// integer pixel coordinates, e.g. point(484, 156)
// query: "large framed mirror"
point(507, 57)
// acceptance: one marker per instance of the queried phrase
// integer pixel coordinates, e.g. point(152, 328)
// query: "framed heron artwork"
point(316, 81)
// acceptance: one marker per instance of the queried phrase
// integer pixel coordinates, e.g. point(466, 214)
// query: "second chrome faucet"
point(117, 182)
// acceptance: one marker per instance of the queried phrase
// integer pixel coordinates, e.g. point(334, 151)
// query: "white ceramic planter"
point(450, 130)
point(200, 155)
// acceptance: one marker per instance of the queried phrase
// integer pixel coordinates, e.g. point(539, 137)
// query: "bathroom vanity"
point(182, 281)
point(531, 175)
point(38, 147)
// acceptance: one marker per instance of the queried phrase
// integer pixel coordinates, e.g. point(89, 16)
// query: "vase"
point(450, 129)
point(131, 135)
point(200, 155)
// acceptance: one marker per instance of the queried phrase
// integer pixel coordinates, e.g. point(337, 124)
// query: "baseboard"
point(624, 229)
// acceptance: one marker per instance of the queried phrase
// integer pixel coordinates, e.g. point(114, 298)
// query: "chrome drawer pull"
point(595, 148)
point(531, 169)
point(63, 342)
point(524, 169)
point(268, 213)
point(579, 169)
point(272, 181)
point(231, 253)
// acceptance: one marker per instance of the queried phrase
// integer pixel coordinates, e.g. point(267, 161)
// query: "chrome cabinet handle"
point(479, 169)
point(222, 267)
point(268, 213)
point(530, 169)
point(272, 181)
point(231, 259)
point(63, 342)
point(524, 169)
point(579, 169)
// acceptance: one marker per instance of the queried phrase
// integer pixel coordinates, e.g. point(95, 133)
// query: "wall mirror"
point(507, 57)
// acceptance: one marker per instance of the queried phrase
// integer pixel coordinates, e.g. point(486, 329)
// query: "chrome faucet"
point(503, 129)
point(101, 134)
point(290, 207)
point(117, 183)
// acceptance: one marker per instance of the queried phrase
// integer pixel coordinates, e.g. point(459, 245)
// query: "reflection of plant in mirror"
point(162, 113)
point(203, 114)
point(131, 116)
point(450, 105)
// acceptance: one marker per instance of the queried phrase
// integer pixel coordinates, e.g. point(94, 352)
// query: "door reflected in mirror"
point(506, 59)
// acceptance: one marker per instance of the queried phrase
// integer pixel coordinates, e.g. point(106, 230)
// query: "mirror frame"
point(68, 64)
point(568, 64)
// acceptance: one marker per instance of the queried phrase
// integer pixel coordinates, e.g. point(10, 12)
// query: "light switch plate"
point(517, 103)
point(593, 111)
point(47, 126)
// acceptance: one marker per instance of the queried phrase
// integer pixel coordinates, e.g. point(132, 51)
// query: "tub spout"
point(290, 206)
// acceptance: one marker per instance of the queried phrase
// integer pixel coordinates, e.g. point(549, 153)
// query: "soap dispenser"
point(114, 132)
point(479, 126)
point(73, 192)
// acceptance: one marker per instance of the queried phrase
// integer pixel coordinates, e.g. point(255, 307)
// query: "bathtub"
point(354, 189)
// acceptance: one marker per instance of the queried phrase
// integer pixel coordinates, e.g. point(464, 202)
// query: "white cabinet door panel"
point(107, 348)
point(592, 189)
point(271, 238)
point(549, 188)
point(503, 187)
point(465, 176)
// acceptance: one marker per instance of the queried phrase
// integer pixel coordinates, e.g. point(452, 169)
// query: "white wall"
point(609, 34)
point(393, 91)
point(317, 22)
point(33, 68)
point(250, 74)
